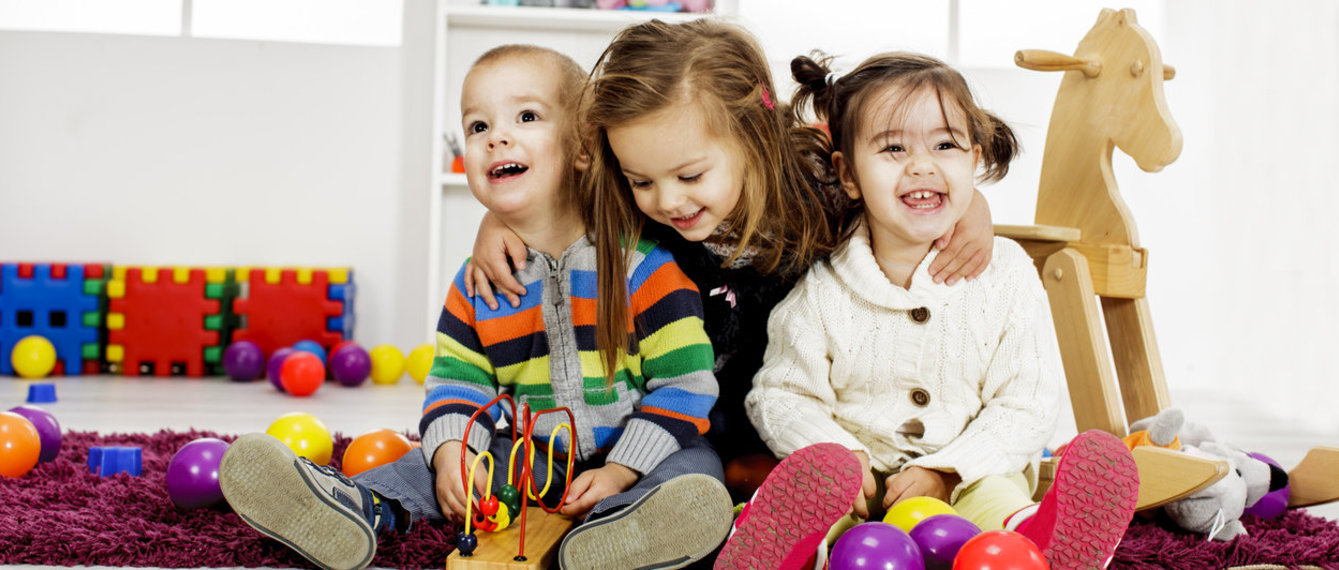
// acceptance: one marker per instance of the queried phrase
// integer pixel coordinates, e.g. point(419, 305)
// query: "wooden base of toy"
point(497, 550)
point(1164, 475)
point(1316, 479)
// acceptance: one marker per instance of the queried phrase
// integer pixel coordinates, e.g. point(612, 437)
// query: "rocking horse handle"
point(1046, 60)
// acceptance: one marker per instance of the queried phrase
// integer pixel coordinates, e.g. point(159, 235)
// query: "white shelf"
point(557, 19)
point(452, 180)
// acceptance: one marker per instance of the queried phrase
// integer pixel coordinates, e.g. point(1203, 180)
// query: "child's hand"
point(867, 487)
point(593, 486)
point(966, 249)
point(915, 481)
point(451, 497)
point(489, 267)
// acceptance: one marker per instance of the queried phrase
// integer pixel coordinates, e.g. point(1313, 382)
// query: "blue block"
point(44, 393)
point(43, 295)
point(105, 461)
point(342, 292)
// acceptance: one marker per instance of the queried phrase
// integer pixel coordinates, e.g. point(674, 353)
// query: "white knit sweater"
point(972, 389)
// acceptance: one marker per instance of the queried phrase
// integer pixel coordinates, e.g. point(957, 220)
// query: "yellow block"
point(119, 273)
point(304, 276)
point(115, 353)
point(181, 275)
point(149, 274)
point(116, 321)
point(116, 288)
point(338, 275)
point(243, 274)
point(273, 275)
point(216, 274)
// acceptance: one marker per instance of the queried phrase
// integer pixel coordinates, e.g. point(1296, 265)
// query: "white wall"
point(171, 151)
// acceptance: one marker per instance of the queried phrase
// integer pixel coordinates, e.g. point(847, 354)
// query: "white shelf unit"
point(465, 31)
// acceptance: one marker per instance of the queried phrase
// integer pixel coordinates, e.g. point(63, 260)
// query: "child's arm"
point(965, 251)
point(677, 383)
point(1021, 388)
point(494, 246)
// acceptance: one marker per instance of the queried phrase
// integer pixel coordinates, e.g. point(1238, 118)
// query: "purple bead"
point(48, 429)
point(276, 363)
point(940, 537)
point(193, 475)
point(244, 361)
point(875, 545)
point(1270, 506)
point(350, 365)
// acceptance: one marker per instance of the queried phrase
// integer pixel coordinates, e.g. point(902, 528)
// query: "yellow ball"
point(909, 512)
point(420, 362)
point(305, 435)
point(33, 357)
point(387, 364)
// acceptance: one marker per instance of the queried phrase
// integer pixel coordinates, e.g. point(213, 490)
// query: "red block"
point(275, 315)
point(164, 322)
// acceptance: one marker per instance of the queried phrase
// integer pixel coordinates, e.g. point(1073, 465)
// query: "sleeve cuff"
point(643, 446)
point(452, 427)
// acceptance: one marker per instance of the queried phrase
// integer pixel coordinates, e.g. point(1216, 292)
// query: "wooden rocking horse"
point(1086, 247)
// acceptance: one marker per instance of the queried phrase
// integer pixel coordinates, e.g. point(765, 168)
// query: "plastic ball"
point(48, 430)
point(940, 537)
point(1000, 550)
point(275, 364)
point(509, 496)
point(387, 364)
point(374, 449)
point(301, 374)
point(20, 445)
point(420, 362)
point(502, 518)
point(244, 361)
point(192, 477)
point(466, 543)
point(875, 545)
point(1274, 503)
point(33, 357)
point(350, 364)
point(311, 346)
point(306, 435)
point(908, 512)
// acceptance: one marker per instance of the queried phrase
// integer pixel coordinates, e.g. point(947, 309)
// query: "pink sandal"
point(791, 513)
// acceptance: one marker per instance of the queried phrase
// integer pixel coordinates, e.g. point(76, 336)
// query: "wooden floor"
point(110, 404)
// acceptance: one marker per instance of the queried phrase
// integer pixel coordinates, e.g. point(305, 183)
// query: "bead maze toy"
point(495, 514)
point(165, 321)
point(279, 307)
point(62, 303)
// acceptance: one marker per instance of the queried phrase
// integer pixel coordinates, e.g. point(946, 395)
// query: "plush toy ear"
point(1278, 478)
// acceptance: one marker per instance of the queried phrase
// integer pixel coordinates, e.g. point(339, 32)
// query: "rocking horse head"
point(1120, 76)
point(1111, 95)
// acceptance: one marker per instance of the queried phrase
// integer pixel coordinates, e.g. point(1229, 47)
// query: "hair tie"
point(831, 78)
point(767, 99)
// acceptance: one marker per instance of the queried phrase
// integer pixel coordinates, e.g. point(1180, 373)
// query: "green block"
point(213, 322)
point(93, 287)
point(92, 319)
point(213, 354)
point(89, 351)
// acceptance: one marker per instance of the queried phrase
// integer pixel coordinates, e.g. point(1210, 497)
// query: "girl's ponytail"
point(811, 72)
point(998, 147)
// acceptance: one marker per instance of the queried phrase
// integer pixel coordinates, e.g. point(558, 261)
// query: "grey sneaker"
point(676, 523)
point(315, 510)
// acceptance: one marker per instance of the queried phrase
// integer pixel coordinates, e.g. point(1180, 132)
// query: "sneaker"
point(787, 520)
point(315, 510)
point(673, 525)
point(1084, 514)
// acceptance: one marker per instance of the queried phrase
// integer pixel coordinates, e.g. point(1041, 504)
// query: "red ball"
point(302, 373)
point(1000, 550)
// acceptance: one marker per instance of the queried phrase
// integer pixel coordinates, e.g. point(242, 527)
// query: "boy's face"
point(914, 170)
point(513, 118)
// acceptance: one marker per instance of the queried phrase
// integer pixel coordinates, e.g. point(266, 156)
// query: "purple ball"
point(193, 475)
point(875, 545)
point(276, 363)
point(1270, 506)
point(48, 429)
point(940, 537)
point(350, 365)
point(244, 361)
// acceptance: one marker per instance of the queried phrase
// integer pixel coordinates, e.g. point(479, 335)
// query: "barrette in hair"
point(767, 98)
point(832, 78)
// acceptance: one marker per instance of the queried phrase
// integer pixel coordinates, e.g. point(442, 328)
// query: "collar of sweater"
point(854, 264)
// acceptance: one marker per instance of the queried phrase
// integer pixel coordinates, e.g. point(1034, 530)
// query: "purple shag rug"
point(60, 514)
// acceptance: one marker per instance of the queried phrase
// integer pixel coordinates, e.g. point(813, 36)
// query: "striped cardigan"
point(544, 353)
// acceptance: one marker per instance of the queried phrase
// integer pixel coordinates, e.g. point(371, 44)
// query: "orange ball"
point(20, 445)
point(302, 373)
point(374, 449)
